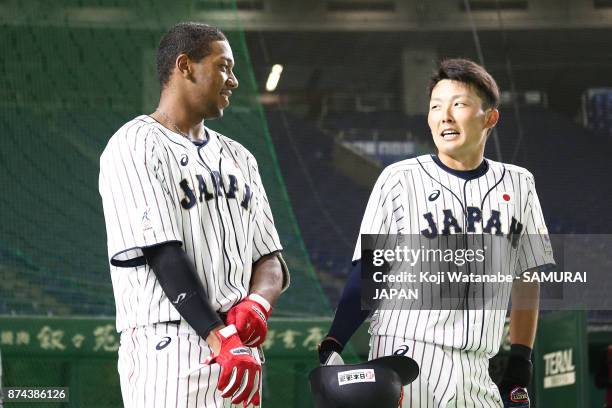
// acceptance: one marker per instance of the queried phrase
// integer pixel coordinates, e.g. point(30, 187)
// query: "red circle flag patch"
point(505, 197)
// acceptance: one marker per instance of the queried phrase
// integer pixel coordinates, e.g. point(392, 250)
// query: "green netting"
point(71, 73)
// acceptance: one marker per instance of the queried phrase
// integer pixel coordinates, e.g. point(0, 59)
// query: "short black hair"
point(191, 38)
point(470, 73)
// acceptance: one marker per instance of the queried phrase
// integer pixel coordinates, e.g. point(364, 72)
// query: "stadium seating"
point(327, 204)
point(569, 164)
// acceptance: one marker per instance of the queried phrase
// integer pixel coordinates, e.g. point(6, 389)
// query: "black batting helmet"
point(377, 383)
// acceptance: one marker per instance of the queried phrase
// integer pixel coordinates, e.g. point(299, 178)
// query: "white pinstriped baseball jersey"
point(157, 186)
point(448, 377)
point(422, 197)
point(161, 366)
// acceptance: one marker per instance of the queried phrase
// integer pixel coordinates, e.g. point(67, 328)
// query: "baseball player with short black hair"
point(457, 191)
point(194, 254)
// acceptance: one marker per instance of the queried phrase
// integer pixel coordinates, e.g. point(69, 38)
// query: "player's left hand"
point(329, 351)
point(516, 397)
point(240, 376)
point(256, 400)
point(251, 319)
point(513, 387)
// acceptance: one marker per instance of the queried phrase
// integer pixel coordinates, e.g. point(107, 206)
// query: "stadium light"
point(274, 77)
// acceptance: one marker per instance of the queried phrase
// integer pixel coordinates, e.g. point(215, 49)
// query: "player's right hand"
point(250, 318)
point(327, 347)
point(240, 377)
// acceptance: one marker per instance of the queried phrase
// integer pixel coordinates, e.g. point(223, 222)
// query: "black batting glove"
point(328, 346)
point(516, 398)
point(513, 386)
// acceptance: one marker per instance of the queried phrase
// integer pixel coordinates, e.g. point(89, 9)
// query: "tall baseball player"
point(194, 254)
point(457, 191)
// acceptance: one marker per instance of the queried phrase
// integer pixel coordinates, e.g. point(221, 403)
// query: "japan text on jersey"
point(157, 186)
point(423, 199)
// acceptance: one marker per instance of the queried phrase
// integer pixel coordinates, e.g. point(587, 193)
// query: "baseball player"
point(194, 254)
point(457, 191)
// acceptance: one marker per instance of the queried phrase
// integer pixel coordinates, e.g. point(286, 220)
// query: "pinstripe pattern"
point(449, 378)
point(157, 186)
point(228, 226)
point(397, 205)
point(453, 346)
point(168, 377)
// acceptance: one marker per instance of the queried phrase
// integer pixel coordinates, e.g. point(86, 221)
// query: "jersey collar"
point(198, 143)
point(482, 168)
point(202, 143)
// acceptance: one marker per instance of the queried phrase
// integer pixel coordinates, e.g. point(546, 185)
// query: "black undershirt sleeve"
point(177, 276)
point(349, 315)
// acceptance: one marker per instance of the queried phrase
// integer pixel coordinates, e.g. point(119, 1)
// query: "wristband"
point(261, 300)
point(518, 369)
point(520, 350)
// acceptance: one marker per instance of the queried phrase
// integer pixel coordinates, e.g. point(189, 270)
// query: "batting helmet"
point(376, 383)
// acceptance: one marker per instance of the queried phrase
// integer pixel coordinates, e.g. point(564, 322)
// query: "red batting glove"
point(240, 376)
point(250, 318)
point(256, 398)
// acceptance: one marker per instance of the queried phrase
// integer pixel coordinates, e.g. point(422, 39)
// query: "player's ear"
point(491, 118)
point(183, 65)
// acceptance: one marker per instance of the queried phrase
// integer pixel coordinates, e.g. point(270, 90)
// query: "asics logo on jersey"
point(474, 215)
point(434, 195)
point(180, 298)
point(184, 160)
point(214, 186)
point(162, 344)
